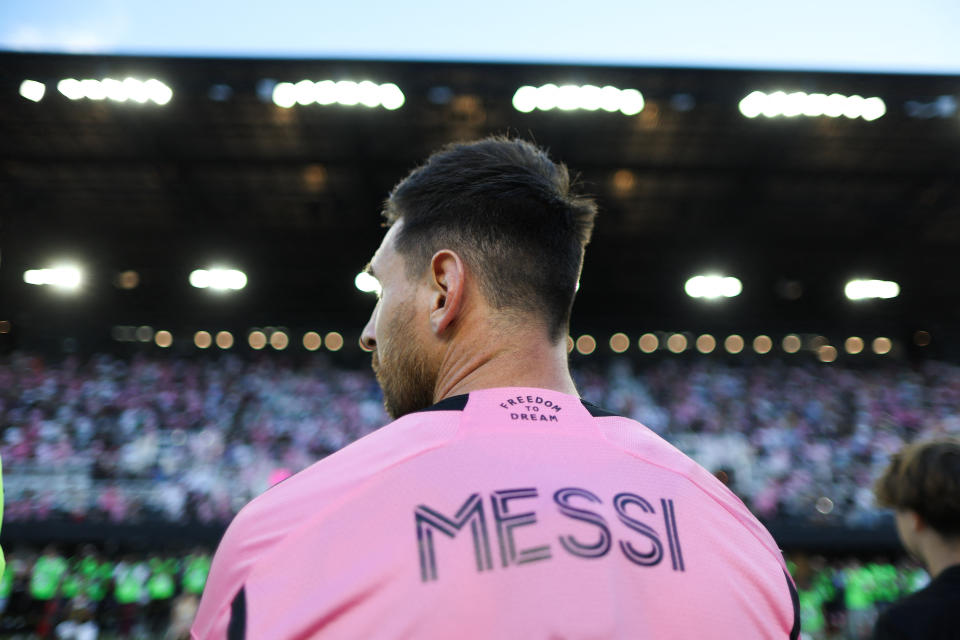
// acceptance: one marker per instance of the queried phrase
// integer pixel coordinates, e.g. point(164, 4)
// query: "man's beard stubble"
point(406, 378)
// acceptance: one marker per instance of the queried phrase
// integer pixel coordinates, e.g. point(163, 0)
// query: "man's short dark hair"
point(924, 477)
point(511, 214)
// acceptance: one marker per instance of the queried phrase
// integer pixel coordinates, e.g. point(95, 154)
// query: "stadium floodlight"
point(116, 90)
point(344, 92)
point(812, 105)
point(70, 87)
point(137, 91)
point(712, 287)
point(32, 90)
point(305, 92)
point(391, 97)
point(93, 89)
point(369, 94)
point(284, 94)
point(219, 279)
point(367, 283)
point(872, 109)
point(67, 278)
point(752, 105)
point(348, 93)
point(126, 90)
point(525, 99)
point(158, 91)
point(570, 97)
point(871, 289)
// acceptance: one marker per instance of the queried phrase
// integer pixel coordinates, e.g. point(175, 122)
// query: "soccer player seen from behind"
point(497, 504)
point(922, 486)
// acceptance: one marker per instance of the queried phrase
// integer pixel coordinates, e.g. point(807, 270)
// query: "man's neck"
point(941, 554)
point(524, 361)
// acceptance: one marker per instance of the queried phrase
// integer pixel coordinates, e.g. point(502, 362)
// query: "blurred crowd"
point(91, 594)
point(792, 440)
point(841, 599)
point(88, 593)
point(193, 439)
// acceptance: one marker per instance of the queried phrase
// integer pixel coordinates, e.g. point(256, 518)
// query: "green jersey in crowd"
point(859, 588)
point(195, 573)
point(47, 574)
point(131, 582)
point(162, 583)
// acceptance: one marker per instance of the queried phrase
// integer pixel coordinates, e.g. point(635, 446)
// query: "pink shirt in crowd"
point(508, 513)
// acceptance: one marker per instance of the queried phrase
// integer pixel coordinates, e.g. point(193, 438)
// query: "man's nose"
point(368, 338)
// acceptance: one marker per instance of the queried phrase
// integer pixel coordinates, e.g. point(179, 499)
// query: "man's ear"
point(917, 523)
point(448, 280)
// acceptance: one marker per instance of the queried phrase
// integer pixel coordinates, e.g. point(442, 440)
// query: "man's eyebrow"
point(369, 269)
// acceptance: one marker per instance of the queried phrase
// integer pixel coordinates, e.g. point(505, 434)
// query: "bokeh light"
point(648, 343)
point(791, 343)
point(733, 344)
point(163, 339)
point(827, 353)
point(334, 341)
point(619, 342)
point(127, 280)
point(586, 344)
point(677, 343)
point(279, 340)
point(257, 340)
point(312, 341)
point(882, 346)
point(853, 345)
point(202, 339)
point(224, 339)
point(706, 343)
point(762, 344)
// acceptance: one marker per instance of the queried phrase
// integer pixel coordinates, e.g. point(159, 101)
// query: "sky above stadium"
point(919, 36)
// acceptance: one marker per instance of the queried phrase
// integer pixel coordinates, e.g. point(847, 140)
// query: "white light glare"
point(713, 287)
point(570, 97)
point(367, 283)
point(865, 289)
point(790, 105)
point(59, 277)
point(32, 90)
point(346, 93)
point(221, 279)
point(128, 89)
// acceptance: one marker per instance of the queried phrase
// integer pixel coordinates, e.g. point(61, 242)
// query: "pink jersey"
point(508, 513)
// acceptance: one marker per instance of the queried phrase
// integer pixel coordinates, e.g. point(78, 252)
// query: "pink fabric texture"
point(520, 516)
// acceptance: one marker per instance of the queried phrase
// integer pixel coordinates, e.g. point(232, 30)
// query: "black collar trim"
point(453, 403)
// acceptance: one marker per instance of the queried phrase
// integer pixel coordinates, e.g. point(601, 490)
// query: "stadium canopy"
point(140, 194)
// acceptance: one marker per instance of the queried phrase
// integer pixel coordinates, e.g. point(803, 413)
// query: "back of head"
point(511, 214)
point(924, 477)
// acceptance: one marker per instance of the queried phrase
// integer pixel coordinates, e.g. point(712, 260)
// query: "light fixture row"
point(343, 92)
point(678, 343)
point(528, 98)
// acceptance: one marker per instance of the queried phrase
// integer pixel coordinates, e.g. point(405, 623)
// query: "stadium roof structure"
point(792, 206)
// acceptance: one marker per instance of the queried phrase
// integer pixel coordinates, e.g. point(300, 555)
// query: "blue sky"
point(854, 35)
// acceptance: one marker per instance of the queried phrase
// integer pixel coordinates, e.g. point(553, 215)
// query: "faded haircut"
point(512, 215)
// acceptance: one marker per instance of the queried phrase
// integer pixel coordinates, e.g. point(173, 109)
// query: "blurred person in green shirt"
point(195, 571)
point(161, 587)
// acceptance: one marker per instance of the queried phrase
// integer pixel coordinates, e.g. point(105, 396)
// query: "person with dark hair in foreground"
point(922, 486)
point(498, 504)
